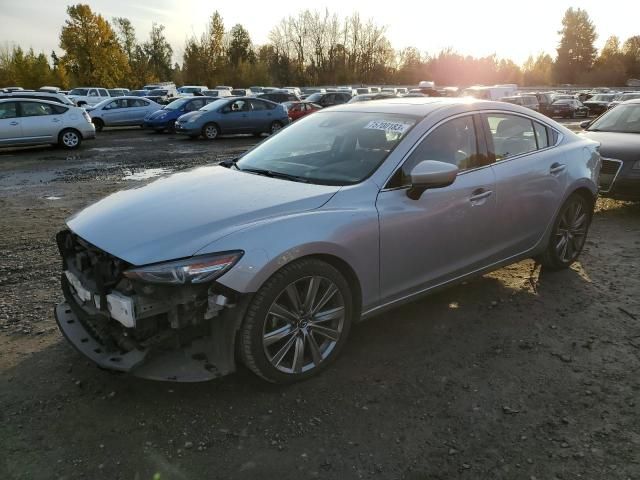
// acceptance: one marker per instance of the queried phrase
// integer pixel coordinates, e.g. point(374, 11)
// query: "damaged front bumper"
point(184, 334)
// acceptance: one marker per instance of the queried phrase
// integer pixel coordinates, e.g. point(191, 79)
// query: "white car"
point(122, 111)
point(88, 95)
point(189, 90)
point(35, 122)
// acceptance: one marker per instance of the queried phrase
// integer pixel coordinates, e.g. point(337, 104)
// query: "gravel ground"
point(519, 374)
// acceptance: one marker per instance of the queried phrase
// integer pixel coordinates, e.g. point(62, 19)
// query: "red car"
point(298, 110)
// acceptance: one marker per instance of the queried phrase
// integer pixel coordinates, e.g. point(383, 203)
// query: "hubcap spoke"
point(277, 335)
point(298, 354)
point(279, 311)
point(326, 332)
point(277, 358)
point(315, 349)
point(312, 293)
point(328, 295)
point(294, 297)
point(328, 315)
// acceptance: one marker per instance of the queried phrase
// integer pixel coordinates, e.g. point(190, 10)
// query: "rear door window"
point(36, 109)
point(258, 105)
point(511, 134)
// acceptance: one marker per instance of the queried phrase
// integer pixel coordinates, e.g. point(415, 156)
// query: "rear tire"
point(297, 323)
point(210, 131)
point(69, 139)
point(99, 124)
point(568, 234)
point(275, 126)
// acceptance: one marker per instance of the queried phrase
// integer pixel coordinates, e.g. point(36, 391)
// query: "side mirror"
point(430, 174)
point(585, 124)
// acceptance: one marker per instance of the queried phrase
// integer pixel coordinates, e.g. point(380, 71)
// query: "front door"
point(448, 231)
point(236, 117)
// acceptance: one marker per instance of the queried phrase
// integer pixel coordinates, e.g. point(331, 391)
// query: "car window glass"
point(58, 109)
point(103, 93)
point(196, 104)
point(542, 136)
point(92, 93)
point(238, 106)
point(35, 109)
point(512, 135)
point(258, 105)
point(454, 142)
point(136, 102)
point(112, 105)
point(8, 110)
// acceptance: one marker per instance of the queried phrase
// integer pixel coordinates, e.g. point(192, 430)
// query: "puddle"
point(145, 174)
point(111, 149)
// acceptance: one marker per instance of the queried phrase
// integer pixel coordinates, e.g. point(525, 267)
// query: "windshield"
point(623, 118)
point(238, 93)
point(314, 97)
point(79, 91)
point(214, 105)
point(157, 92)
point(601, 98)
point(330, 148)
point(139, 93)
point(628, 96)
point(177, 104)
point(189, 89)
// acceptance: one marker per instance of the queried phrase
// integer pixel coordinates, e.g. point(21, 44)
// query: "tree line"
point(310, 48)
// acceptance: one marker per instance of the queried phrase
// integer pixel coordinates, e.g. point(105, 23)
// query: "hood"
point(187, 116)
point(622, 146)
point(176, 216)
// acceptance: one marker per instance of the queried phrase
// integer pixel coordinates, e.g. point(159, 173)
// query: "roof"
point(418, 106)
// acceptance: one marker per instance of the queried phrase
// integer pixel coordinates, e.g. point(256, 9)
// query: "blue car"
point(165, 118)
point(234, 115)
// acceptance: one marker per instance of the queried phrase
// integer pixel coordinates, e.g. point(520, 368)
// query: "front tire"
point(99, 124)
point(297, 322)
point(69, 139)
point(569, 233)
point(210, 131)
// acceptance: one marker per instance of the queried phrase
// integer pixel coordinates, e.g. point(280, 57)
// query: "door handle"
point(14, 123)
point(557, 168)
point(480, 194)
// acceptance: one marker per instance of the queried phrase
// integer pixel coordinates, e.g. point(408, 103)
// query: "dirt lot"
point(515, 375)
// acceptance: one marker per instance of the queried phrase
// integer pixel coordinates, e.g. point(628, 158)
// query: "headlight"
point(201, 269)
point(194, 118)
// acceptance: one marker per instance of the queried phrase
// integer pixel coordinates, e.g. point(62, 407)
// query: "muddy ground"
point(515, 375)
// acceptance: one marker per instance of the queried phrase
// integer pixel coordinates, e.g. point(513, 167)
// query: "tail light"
point(86, 116)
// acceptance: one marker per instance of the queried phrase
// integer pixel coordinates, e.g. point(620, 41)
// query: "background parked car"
point(190, 90)
point(160, 96)
point(242, 92)
point(623, 97)
point(234, 115)
point(599, 103)
point(618, 131)
point(568, 108)
point(298, 110)
point(527, 101)
point(118, 92)
point(217, 93)
point(35, 122)
point(138, 93)
point(329, 99)
point(51, 97)
point(88, 95)
point(223, 87)
point(371, 96)
point(279, 96)
point(122, 111)
point(165, 118)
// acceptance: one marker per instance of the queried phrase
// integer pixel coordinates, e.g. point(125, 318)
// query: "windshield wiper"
point(273, 174)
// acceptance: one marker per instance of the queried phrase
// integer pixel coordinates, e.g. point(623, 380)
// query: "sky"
point(471, 28)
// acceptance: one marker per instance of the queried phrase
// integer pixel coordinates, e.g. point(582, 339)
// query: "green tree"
point(631, 52)
point(92, 52)
point(240, 49)
point(576, 51)
point(609, 67)
point(538, 71)
point(159, 53)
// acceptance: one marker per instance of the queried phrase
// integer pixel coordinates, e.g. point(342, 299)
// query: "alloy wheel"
point(211, 132)
point(275, 126)
point(303, 325)
point(571, 231)
point(70, 139)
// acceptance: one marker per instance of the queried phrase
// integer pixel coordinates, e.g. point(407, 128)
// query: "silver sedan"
point(271, 258)
point(122, 111)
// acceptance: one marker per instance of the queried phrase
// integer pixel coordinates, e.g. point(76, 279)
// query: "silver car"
point(35, 122)
point(339, 216)
point(122, 111)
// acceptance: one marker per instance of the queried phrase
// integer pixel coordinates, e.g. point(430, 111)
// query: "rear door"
point(531, 179)
point(261, 115)
point(10, 123)
point(40, 121)
point(136, 111)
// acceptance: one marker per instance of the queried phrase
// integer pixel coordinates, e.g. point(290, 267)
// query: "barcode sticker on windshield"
point(394, 127)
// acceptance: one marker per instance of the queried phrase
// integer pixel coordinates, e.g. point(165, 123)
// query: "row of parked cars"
point(571, 105)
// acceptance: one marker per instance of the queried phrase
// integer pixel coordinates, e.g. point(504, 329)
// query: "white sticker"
point(393, 127)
